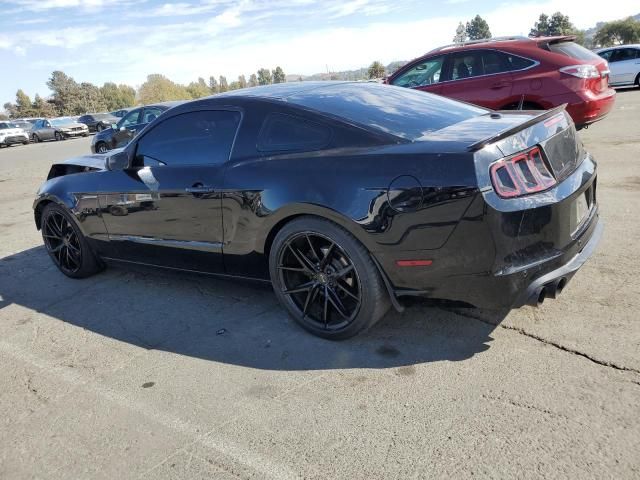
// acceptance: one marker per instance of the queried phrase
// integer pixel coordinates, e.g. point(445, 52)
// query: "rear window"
point(573, 50)
point(405, 113)
point(282, 132)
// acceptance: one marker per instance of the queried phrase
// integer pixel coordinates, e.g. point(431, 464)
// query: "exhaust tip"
point(560, 286)
point(541, 296)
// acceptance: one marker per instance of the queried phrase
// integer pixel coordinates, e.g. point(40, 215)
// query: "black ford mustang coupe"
point(346, 196)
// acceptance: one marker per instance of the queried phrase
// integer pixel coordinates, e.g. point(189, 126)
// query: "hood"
point(70, 125)
point(84, 163)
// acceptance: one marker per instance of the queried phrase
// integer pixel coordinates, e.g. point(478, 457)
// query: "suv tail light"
point(521, 174)
point(582, 71)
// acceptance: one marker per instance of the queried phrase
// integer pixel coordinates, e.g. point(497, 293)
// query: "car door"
point(126, 128)
point(480, 77)
point(624, 65)
point(424, 75)
point(165, 209)
point(46, 132)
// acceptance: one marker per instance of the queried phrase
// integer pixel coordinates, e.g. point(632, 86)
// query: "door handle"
point(199, 188)
point(499, 85)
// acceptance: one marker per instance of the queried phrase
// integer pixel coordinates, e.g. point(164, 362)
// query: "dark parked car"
point(120, 113)
point(98, 121)
point(120, 134)
point(516, 72)
point(57, 129)
point(346, 196)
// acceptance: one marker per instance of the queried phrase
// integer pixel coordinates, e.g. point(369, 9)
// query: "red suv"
point(516, 72)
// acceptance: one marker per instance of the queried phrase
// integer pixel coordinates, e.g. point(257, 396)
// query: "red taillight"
point(521, 174)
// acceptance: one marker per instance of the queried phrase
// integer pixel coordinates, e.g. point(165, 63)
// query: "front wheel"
point(326, 279)
point(101, 148)
point(35, 138)
point(66, 245)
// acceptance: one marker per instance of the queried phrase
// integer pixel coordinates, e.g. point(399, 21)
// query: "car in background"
point(57, 129)
point(11, 134)
point(624, 63)
point(508, 73)
point(31, 120)
point(120, 134)
point(98, 121)
point(24, 125)
point(120, 113)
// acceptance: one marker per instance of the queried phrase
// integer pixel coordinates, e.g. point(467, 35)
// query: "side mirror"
point(118, 161)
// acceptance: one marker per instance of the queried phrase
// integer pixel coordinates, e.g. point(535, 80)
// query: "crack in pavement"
point(522, 331)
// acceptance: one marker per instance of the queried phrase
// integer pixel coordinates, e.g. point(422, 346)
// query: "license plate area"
point(580, 209)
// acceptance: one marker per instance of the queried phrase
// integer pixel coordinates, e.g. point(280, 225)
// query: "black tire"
point(35, 138)
point(637, 82)
point(99, 127)
point(332, 305)
point(66, 245)
point(58, 136)
point(101, 147)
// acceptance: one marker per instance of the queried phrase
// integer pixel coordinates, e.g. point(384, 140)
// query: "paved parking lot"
point(145, 374)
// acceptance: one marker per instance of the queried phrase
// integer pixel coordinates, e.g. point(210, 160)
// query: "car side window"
point(470, 64)
point(130, 119)
point(194, 138)
point(515, 62)
point(623, 54)
point(281, 132)
point(421, 74)
point(606, 55)
point(150, 114)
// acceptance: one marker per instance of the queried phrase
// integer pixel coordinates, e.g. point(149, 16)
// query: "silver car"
point(10, 134)
point(57, 129)
point(624, 63)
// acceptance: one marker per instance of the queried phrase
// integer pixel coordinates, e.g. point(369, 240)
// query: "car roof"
point(618, 47)
point(500, 41)
point(281, 90)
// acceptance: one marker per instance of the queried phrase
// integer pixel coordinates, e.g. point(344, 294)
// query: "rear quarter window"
point(573, 50)
point(281, 132)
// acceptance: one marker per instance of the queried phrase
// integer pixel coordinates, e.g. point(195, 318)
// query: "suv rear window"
point(573, 50)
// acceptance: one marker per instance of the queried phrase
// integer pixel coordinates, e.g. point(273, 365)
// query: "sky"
point(125, 40)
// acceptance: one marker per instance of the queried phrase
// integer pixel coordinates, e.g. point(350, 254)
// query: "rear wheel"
point(35, 138)
point(58, 136)
point(66, 245)
point(326, 279)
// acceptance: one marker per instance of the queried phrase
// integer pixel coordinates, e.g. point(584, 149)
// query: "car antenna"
point(521, 103)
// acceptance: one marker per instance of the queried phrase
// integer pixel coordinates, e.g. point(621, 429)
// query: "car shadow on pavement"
point(233, 322)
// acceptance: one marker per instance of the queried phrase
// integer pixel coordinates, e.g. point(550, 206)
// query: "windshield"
point(4, 125)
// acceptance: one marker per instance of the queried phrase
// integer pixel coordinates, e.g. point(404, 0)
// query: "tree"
point(242, 81)
point(477, 28)
point(10, 108)
point(264, 76)
point(42, 108)
point(159, 88)
point(224, 86)
point(23, 107)
point(461, 34)
point(279, 76)
point(198, 89)
point(66, 93)
point(557, 24)
point(89, 99)
point(4, 116)
point(376, 70)
point(213, 85)
point(253, 80)
point(618, 32)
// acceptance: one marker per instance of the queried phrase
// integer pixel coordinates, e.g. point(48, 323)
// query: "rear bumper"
point(586, 108)
point(13, 139)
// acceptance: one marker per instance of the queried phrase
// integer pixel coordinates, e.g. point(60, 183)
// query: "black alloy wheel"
point(326, 279)
point(35, 138)
point(58, 136)
point(66, 245)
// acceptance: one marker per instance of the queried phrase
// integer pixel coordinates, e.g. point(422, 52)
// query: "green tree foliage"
point(198, 89)
point(618, 32)
point(477, 28)
point(557, 24)
point(376, 70)
point(242, 81)
point(42, 108)
point(159, 88)
point(461, 34)
point(23, 107)
point(279, 76)
point(115, 97)
point(213, 85)
point(224, 86)
point(66, 93)
point(253, 80)
point(264, 77)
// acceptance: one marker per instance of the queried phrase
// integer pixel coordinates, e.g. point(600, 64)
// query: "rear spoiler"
point(510, 131)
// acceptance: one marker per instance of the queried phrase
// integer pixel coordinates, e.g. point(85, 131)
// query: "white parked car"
point(624, 63)
point(10, 133)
